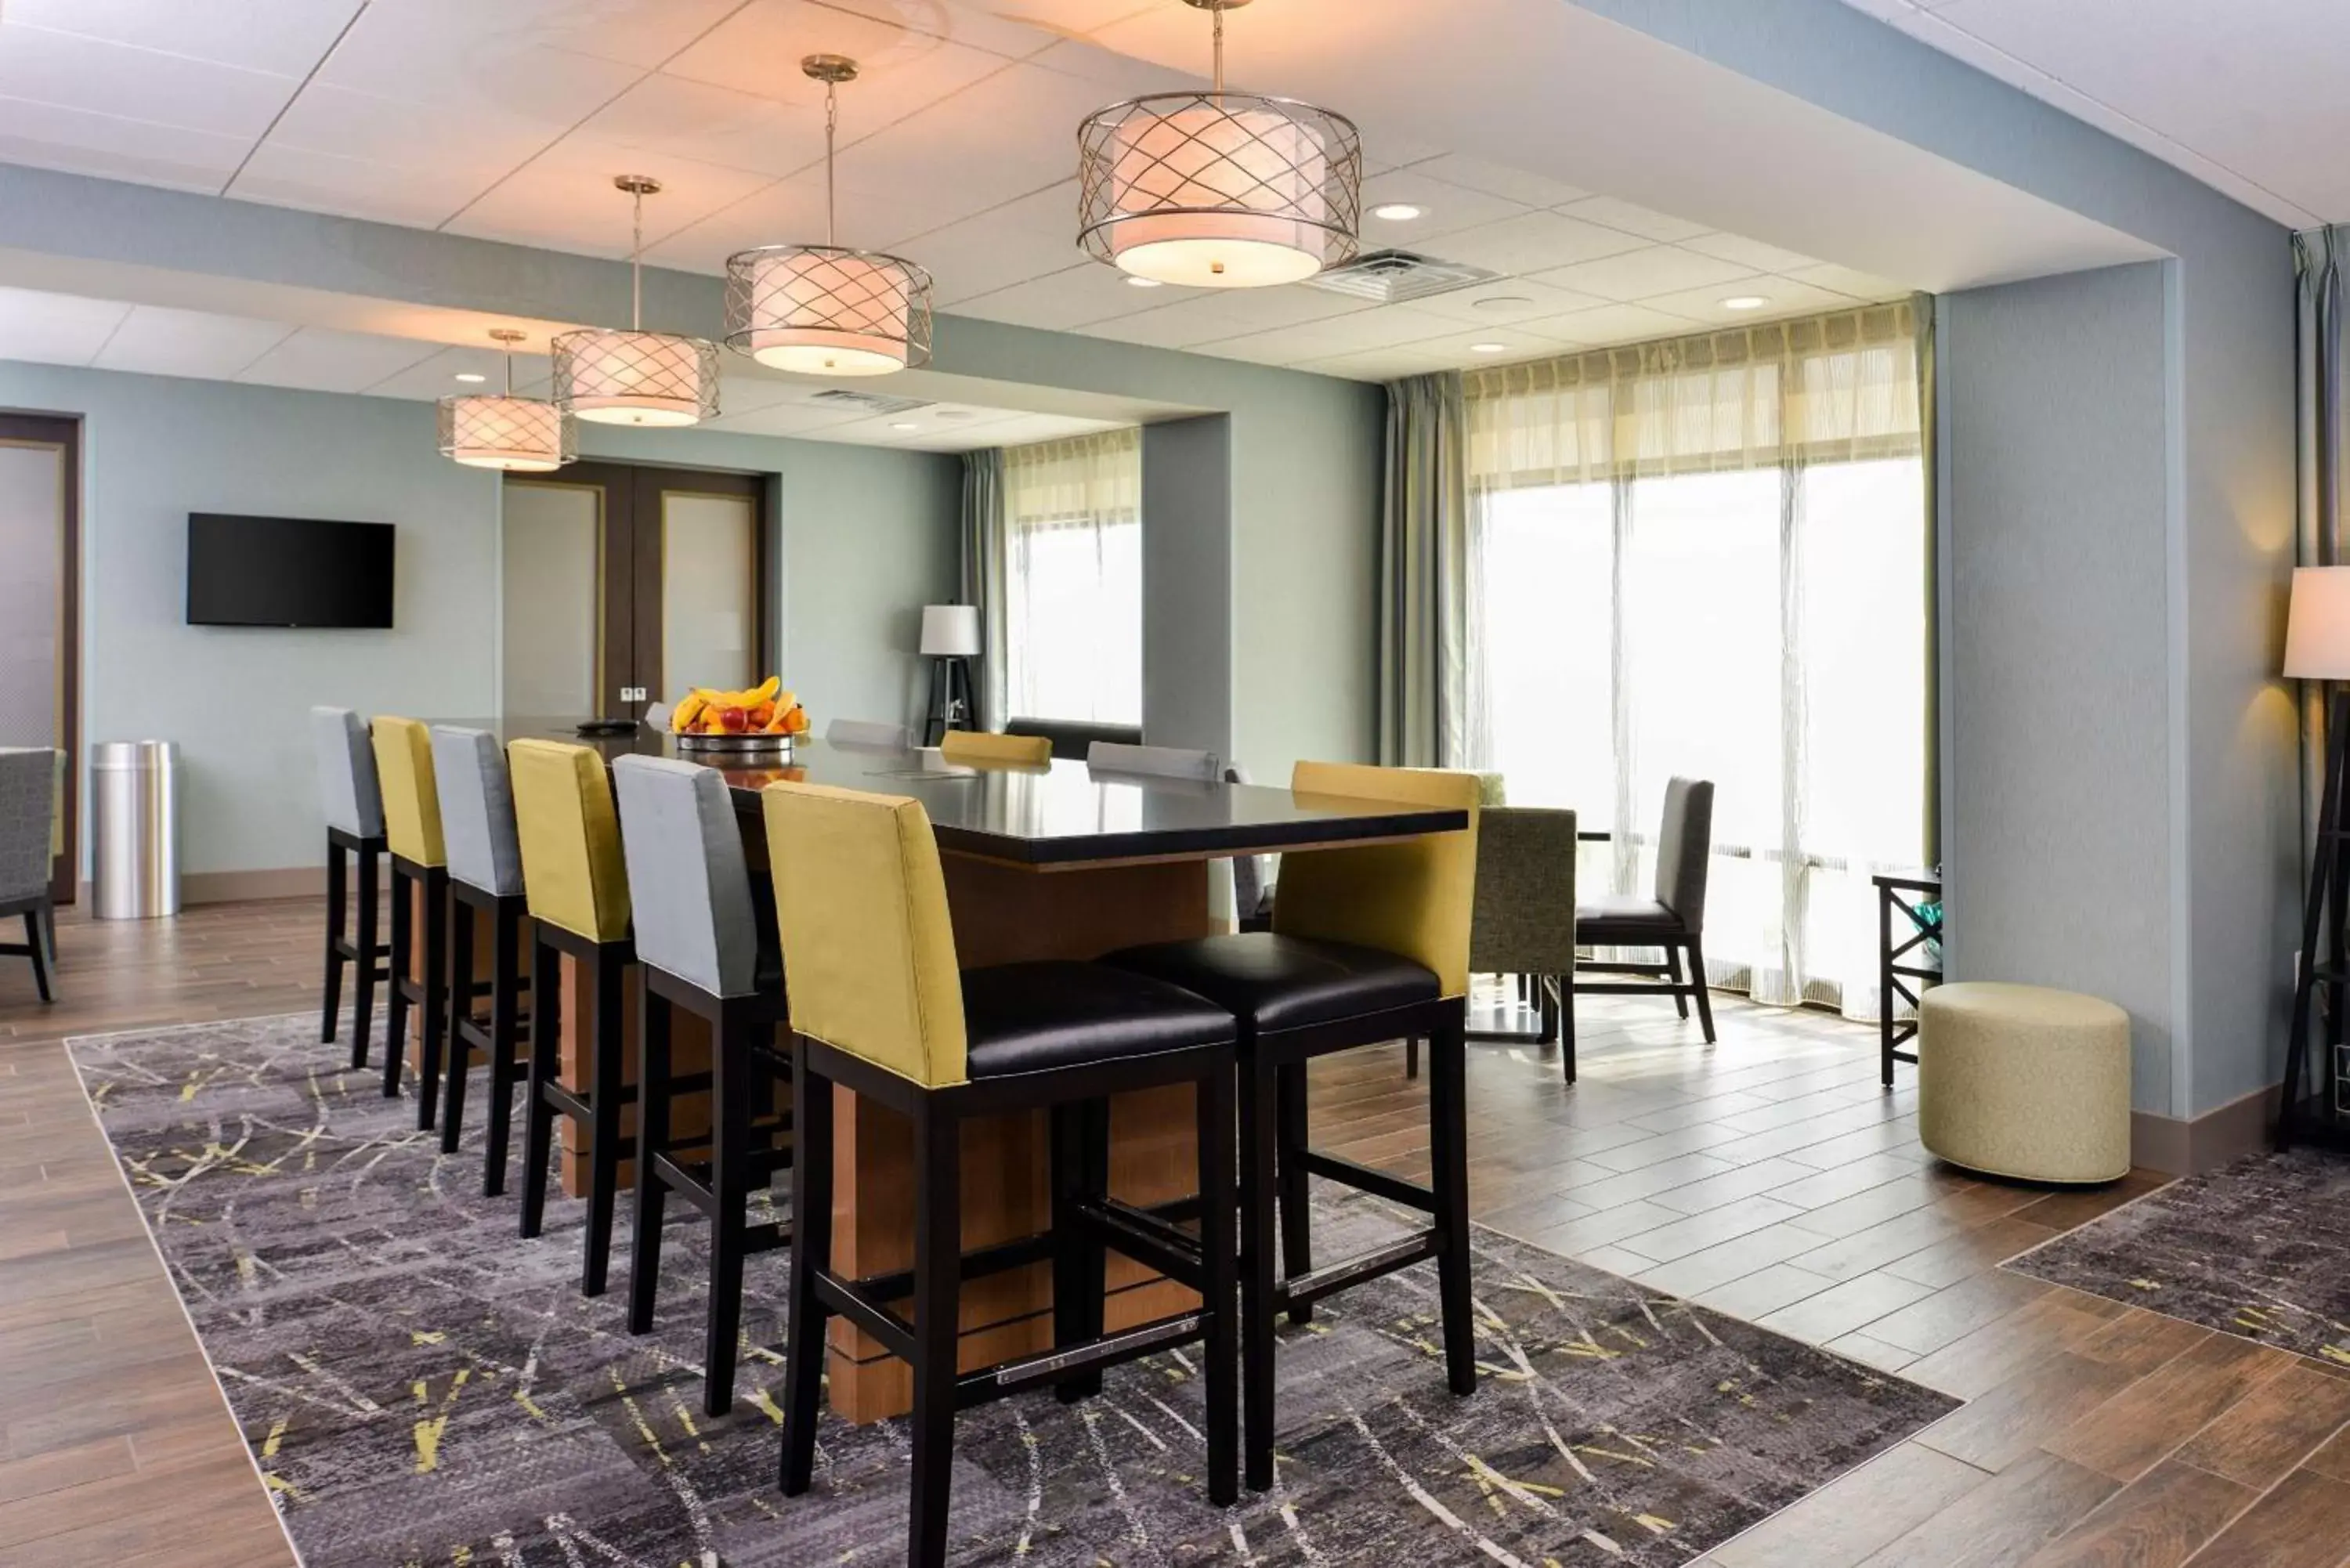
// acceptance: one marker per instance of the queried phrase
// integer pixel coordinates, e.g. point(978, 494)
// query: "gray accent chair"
point(352, 800)
point(1522, 917)
point(869, 733)
point(477, 830)
point(1152, 762)
point(1672, 919)
point(28, 783)
point(699, 946)
point(1253, 877)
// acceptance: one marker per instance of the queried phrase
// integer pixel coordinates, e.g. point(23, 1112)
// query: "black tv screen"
point(287, 571)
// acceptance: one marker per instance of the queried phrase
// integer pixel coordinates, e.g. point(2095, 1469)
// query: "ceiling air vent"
point(866, 402)
point(1388, 276)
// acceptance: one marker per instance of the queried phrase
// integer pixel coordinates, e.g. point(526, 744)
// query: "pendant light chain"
point(831, 197)
point(1219, 14)
point(637, 260)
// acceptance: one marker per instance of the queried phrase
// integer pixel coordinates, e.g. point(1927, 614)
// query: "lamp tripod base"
point(950, 700)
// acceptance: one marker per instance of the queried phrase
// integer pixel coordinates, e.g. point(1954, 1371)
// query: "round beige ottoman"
point(2025, 1082)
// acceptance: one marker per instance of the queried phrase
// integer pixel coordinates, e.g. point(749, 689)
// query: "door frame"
point(62, 432)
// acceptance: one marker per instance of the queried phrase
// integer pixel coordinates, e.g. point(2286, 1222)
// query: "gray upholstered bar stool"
point(699, 947)
point(29, 776)
point(477, 827)
point(353, 803)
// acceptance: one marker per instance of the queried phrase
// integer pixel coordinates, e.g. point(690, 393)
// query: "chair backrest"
point(867, 733)
point(1070, 738)
point(979, 748)
point(689, 883)
point(347, 782)
point(657, 716)
point(1685, 849)
point(1522, 917)
point(28, 781)
point(570, 835)
point(868, 946)
point(1252, 874)
point(1151, 762)
point(412, 799)
point(477, 815)
point(1409, 897)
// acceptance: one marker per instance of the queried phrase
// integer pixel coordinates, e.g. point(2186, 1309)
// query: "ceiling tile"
point(1007, 137)
point(1022, 239)
point(1380, 328)
point(1498, 180)
point(1507, 299)
point(47, 137)
point(563, 198)
point(1848, 281)
point(786, 212)
point(1019, 32)
point(714, 124)
point(435, 374)
point(471, 144)
point(1084, 293)
point(56, 328)
point(900, 71)
point(420, 198)
point(319, 360)
point(1618, 214)
point(1781, 297)
point(157, 341)
point(1642, 273)
point(473, 57)
point(1610, 324)
point(1379, 364)
point(74, 72)
point(1753, 255)
point(1459, 350)
point(1533, 242)
point(1117, 76)
point(1182, 325)
point(285, 38)
point(1445, 209)
point(639, 33)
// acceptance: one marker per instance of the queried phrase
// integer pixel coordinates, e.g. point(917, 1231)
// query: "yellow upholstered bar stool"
point(420, 868)
point(1370, 943)
point(981, 748)
point(577, 888)
point(881, 1009)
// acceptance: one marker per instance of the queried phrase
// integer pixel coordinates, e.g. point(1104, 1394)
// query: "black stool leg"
point(731, 1092)
point(1565, 993)
point(1257, 1094)
point(1673, 969)
point(1217, 1250)
point(433, 1019)
point(1296, 1222)
point(461, 1011)
point(803, 1349)
point(545, 1067)
point(363, 987)
point(1704, 997)
point(506, 1032)
point(37, 948)
point(604, 1149)
point(336, 891)
point(938, 1271)
point(1411, 1057)
point(652, 1137)
point(1079, 1259)
point(395, 1039)
point(1448, 1105)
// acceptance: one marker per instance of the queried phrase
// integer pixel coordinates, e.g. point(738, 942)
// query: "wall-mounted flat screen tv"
point(287, 572)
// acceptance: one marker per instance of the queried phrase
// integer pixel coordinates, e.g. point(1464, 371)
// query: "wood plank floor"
point(1768, 1177)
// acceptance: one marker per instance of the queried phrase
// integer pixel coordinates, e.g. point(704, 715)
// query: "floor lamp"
point(949, 642)
point(2317, 648)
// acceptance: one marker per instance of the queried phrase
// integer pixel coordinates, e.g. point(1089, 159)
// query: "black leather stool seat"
point(1622, 912)
point(1285, 983)
point(1034, 1017)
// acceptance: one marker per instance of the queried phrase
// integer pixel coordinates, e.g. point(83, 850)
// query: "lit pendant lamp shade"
point(521, 435)
point(616, 377)
point(1219, 191)
point(2317, 625)
point(822, 310)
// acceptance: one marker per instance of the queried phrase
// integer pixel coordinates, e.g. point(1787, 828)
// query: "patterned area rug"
point(421, 1388)
point(2259, 1249)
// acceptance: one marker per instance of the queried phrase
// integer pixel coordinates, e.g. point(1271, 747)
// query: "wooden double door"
point(625, 585)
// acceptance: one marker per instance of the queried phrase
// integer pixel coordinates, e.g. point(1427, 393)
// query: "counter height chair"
point(869, 733)
point(982, 749)
point(420, 873)
point(882, 1010)
point(352, 802)
point(577, 887)
point(1370, 943)
point(28, 778)
point(1522, 921)
point(477, 822)
point(1151, 762)
point(698, 946)
point(1673, 919)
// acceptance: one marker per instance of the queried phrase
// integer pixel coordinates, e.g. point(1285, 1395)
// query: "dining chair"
point(28, 778)
point(352, 802)
point(1253, 877)
point(1071, 738)
point(699, 947)
point(420, 875)
point(1672, 917)
point(1522, 921)
point(982, 748)
point(882, 1009)
point(1151, 762)
point(869, 733)
point(478, 820)
point(1370, 943)
point(577, 887)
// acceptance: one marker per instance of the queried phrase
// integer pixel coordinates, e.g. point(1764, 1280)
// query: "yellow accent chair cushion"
point(572, 871)
point(981, 748)
point(412, 799)
point(1410, 897)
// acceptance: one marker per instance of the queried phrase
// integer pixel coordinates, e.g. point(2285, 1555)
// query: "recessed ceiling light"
point(1134, 282)
point(1503, 302)
point(905, 425)
point(1746, 302)
point(1395, 211)
point(1489, 348)
point(472, 377)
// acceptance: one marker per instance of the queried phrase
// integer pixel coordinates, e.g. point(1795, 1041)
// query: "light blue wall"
point(869, 537)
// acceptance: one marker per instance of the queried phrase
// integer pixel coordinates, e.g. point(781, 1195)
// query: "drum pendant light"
point(636, 378)
point(823, 310)
point(1218, 190)
point(520, 435)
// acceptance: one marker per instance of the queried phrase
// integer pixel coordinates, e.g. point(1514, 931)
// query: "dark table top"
point(1061, 815)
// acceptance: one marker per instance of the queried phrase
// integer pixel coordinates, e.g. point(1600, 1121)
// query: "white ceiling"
point(2247, 96)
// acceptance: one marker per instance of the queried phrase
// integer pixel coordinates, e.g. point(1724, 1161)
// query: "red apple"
point(735, 719)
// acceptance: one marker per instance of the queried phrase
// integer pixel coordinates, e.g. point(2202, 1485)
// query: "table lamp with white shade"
point(2317, 648)
point(950, 641)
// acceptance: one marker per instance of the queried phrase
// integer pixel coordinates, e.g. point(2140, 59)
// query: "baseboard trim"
point(2184, 1146)
point(242, 887)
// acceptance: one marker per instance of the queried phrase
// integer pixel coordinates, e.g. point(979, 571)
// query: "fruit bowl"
point(754, 743)
point(761, 720)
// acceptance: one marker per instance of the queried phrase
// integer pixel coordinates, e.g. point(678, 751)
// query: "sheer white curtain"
point(1710, 558)
point(1073, 578)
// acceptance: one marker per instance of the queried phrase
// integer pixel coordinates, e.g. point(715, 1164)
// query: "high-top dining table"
point(1053, 862)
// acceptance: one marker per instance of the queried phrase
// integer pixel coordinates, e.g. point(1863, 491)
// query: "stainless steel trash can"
point(134, 812)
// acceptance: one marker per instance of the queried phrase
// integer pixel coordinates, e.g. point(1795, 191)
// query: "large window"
point(1710, 558)
point(1073, 578)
